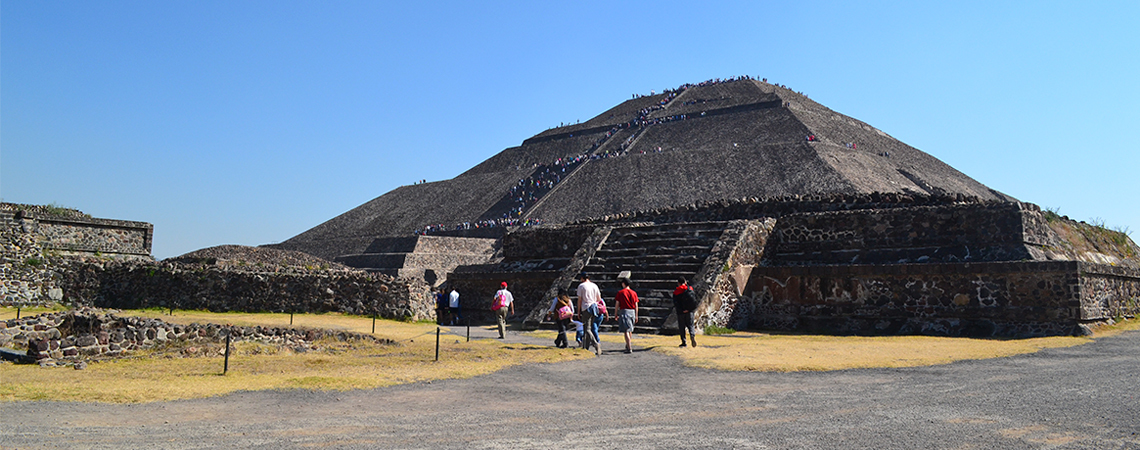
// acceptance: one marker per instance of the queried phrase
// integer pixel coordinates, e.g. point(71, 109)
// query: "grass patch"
point(9, 312)
point(713, 329)
point(790, 353)
point(161, 374)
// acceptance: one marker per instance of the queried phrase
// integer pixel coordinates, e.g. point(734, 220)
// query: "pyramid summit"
point(716, 140)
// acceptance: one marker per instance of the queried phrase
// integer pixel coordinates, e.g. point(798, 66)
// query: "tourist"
point(456, 311)
point(440, 306)
point(626, 300)
point(685, 302)
point(561, 311)
point(588, 298)
point(503, 302)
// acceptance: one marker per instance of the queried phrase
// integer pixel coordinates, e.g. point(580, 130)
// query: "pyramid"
point(721, 139)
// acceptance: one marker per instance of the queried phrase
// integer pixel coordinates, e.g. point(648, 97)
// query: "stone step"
point(659, 242)
point(673, 227)
point(606, 252)
point(653, 258)
point(614, 267)
point(638, 276)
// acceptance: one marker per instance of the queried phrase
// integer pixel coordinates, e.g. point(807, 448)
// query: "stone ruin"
point(77, 336)
point(784, 214)
point(57, 255)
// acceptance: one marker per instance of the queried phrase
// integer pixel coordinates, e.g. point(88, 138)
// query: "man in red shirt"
point(626, 301)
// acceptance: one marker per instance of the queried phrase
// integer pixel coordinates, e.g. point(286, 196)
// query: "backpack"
point(565, 312)
point(687, 301)
point(498, 303)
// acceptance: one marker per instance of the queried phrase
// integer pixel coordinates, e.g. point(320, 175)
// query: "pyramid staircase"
point(655, 255)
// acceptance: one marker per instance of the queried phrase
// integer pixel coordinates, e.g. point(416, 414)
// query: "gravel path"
point(1070, 398)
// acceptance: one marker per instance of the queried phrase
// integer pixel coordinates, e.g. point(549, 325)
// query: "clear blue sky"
point(250, 122)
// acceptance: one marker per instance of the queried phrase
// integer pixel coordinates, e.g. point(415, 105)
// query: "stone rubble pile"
point(71, 337)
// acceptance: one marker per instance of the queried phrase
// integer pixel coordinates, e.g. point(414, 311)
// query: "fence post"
point(226, 366)
point(374, 324)
point(437, 343)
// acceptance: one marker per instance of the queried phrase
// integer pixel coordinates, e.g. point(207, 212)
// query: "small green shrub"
point(34, 262)
point(714, 329)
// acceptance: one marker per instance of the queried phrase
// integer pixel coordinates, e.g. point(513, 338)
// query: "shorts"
point(625, 320)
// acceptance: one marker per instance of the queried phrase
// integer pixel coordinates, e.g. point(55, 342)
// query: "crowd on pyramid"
point(529, 190)
point(490, 223)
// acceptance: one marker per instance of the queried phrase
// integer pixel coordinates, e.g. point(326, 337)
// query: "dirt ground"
point(1069, 398)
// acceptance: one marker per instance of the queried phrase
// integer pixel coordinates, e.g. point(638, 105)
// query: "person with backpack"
point(562, 311)
point(685, 302)
point(503, 302)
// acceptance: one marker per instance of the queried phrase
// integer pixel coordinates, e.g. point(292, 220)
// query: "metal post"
point(437, 343)
point(468, 329)
point(17, 313)
point(373, 324)
point(226, 367)
point(290, 318)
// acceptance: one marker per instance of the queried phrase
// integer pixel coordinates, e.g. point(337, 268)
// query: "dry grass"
point(8, 313)
point(789, 353)
point(335, 366)
point(156, 376)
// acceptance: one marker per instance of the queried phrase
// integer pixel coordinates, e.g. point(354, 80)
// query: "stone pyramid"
point(721, 139)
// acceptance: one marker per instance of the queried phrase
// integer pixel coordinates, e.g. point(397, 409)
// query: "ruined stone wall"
point(1109, 293)
point(1014, 299)
point(73, 336)
point(545, 242)
point(24, 276)
point(127, 285)
point(70, 231)
point(95, 236)
point(720, 284)
point(926, 234)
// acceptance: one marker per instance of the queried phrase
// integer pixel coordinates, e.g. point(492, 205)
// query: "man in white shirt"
point(588, 298)
point(453, 303)
point(506, 301)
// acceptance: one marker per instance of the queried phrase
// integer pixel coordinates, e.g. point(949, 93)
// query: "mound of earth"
point(241, 256)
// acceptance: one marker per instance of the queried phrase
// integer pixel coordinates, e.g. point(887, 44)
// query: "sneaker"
point(628, 351)
point(683, 345)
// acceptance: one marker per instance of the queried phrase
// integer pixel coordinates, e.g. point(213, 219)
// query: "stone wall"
point(476, 291)
point(72, 336)
point(1012, 299)
point(1109, 293)
point(129, 285)
point(720, 284)
point(545, 242)
point(95, 236)
point(943, 233)
point(72, 232)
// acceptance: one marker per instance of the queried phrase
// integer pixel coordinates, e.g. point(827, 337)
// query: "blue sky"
point(250, 122)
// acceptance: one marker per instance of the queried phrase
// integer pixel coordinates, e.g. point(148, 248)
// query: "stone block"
point(86, 340)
